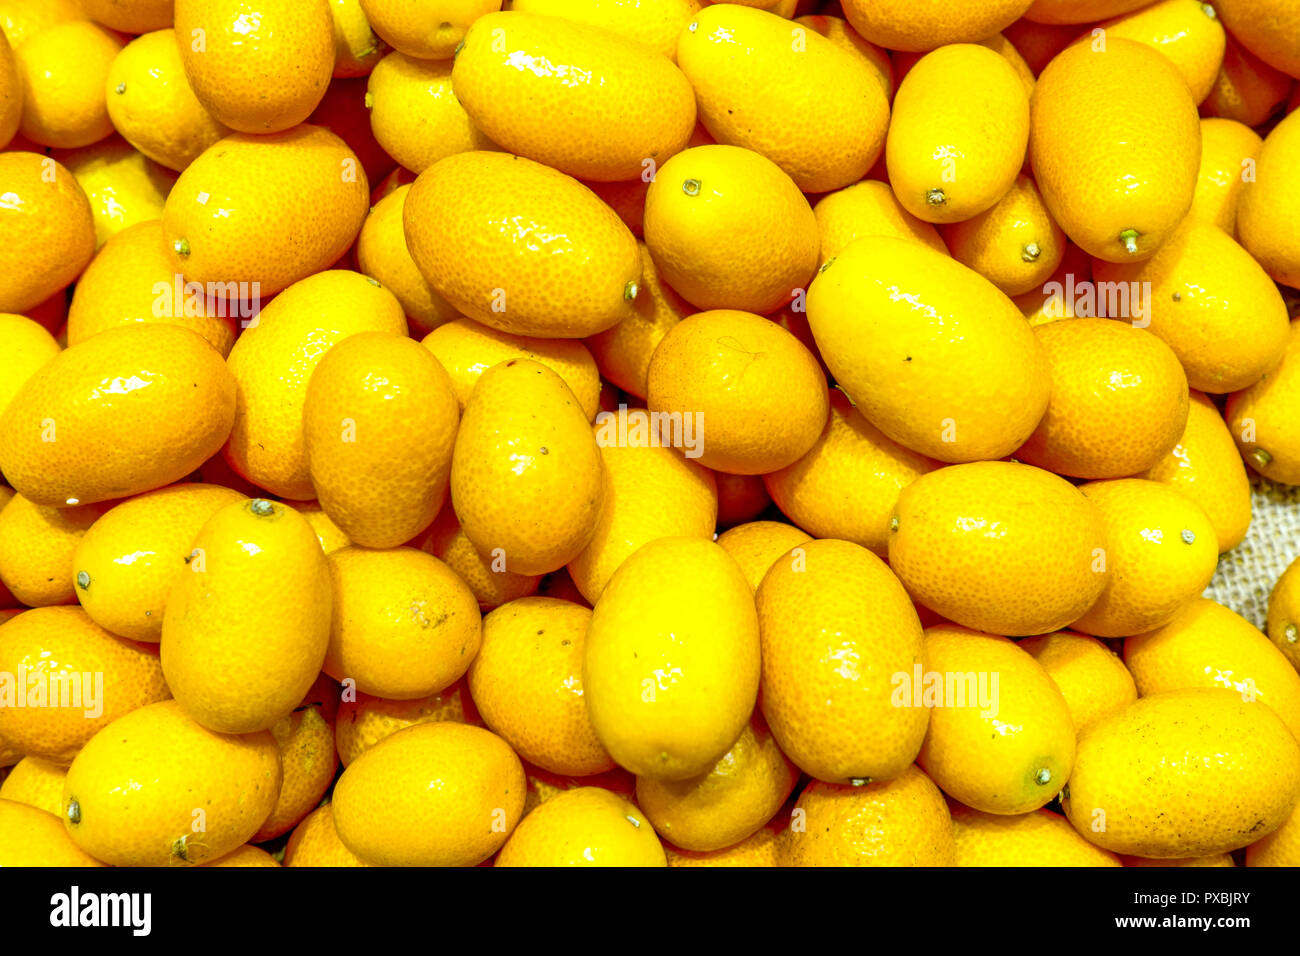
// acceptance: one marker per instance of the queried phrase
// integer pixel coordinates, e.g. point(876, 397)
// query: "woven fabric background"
point(1246, 574)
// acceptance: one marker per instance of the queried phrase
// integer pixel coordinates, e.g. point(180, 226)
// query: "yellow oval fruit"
point(815, 110)
point(128, 561)
point(1065, 12)
point(151, 102)
point(238, 73)
point(930, 351)
point(382, 254)
point(129, 410)
point(246, 855)
point(131, 280)
point(467, 349)
point(272, 364)
point(131, 795)
point(37, 545)
point(958, 133)
point(1014, 244)
point(899, 822)
point(1228, 149)
point(11, 93)
point(1161, 551)
point(363, 722)
point(1212, 304)
point(837, 631)
point(130, 16)
point(404, 625)
point(1270, 28)
point(226, 682)
point(755, 395)
point(1262, 417)
point(1205, 466)
point(1247, 89)
point(27, 347)
point(655, 25)
point(671, 668)
point(1187, 32)
point(428, 29)
point(48, 230)
point(401, 87)
point(999, 546)
point(63, 69)
point(868, 208)
point(123, 185)
point(526, 475)
point(315, 842)
point(37, 783)
point(492, 582)
point(585, 826)
point(641, 477)
point(379, 423)
point(1117, 170)
point(1283, 623)
point(761, 849)
point(728, 229)
point(1184, 773)
point(436, 794)
point(30, 836)
point(757, 545)
point(1119, 400)
point(357, 48)
point(1266, 219)
point(632, 104)
point(903, 25)
point(1209, 645)
point(1090, 676)
point(838, 31)
point(1279, 848)
point(527, 684)
point(265, 211)
point(1040, 838)
point(727, 803)
point(307, 759)
point(571, 272)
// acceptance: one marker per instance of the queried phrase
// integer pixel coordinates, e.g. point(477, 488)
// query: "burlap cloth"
point(1246, 574)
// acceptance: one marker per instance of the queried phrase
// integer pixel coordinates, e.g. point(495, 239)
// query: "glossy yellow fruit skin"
point(1184, 773)
point(37, 544)
point(131, 796)
point(130, 16)
point(379, 423)
point(671, 668)
point(958, 133)
point(729, 802)
point(1262, 418)
point(900, 25)
point(586, 826)
point(273, 362)
point(526, 475)
point(151, 102)
point(756, 394)
point(1185, 31)
point(129, 410)
point(467, 349)
point(1212, 304)
point(526, 681)
point(488, 576)
point(1029, 538)
point(1040, 838)
point(1014, 244)
point(265, 210)
point(757, 545)
point(650, 492)
point(1279, 848)
point(568, 268)
point(1066, 12)
point(761, 849)
point(1119, 400)
point(1007, 749)
point(30, 836)
point(132, 280)
point(656, 25)
point(307, 759)
point(63, 69)
point(1283, 624)
point(128, 561)
point(1161, 551)
point(401, 86)
point(1209, 645)
point(791, 95)
point(1270, 29)
point(363, 722)
point(1247, 89)
point(36, 782)
point(238, 73)
point(383, 255)
point(1228, 149)
point(245, 856)
point(427, 29)
point(899, 822)
point(315, 842)
point(1206, 467)
point(930, 351)
point(437, 794)
point(837, 629)
point(1266, 222)
point(49, 232)
point(632, 104)
point(1117, 171)
point(357, 48)
point(11, 94)
point(123, 185)
point(868, 208)
point(847, 484)
point(838, 31)
point(247, 548)
point(728, 229)
point(1091, 677)
point(404, 625)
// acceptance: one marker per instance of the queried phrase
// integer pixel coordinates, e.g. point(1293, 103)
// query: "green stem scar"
point(83, 580)
point(119, 89)
point(74, 811)
point(1043, 777)
point(936, 197)
point(1129, 238)
point(691, 187)
point(630, 290)
point(1292, 634)
point(182, 248)
point(261, 507)
point(1031, 252)
point(1262, 458)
